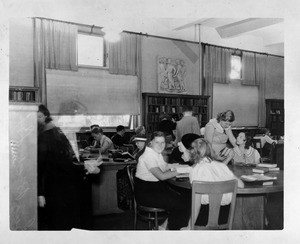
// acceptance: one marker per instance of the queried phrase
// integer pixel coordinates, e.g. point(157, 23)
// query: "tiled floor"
point(124, 221)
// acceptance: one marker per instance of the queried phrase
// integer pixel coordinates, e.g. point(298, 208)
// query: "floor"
point(124, 221)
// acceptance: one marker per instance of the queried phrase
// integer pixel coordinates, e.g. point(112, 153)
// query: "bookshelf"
point(154, 105)
point(275, 116)
point(23, 94)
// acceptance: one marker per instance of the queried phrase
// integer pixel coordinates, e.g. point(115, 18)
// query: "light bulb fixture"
point(112, 35)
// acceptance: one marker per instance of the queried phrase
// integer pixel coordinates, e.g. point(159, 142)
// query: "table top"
point(107, 161)
point(249, 188)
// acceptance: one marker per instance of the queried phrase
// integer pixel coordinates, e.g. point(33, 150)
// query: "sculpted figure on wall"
point(171, 75)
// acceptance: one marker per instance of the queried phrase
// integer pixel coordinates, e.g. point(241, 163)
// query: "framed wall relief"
point(171, 74)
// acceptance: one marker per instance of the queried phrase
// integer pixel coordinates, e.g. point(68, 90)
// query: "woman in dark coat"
point(59, 179)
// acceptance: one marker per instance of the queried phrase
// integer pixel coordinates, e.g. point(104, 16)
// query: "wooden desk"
point(104, 188)
point(251, 200)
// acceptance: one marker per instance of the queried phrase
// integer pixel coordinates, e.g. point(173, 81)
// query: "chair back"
point(215, 191)
point(131, 169)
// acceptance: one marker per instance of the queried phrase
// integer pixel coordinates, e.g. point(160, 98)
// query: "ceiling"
point(255, 34)
point(267, 33)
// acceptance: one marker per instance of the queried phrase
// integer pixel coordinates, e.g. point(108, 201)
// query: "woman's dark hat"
point(188, 139)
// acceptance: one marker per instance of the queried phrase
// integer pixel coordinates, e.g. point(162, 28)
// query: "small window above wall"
point(91, 50)
point(236, 67)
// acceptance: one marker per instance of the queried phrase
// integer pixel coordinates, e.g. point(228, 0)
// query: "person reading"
point(243, 152)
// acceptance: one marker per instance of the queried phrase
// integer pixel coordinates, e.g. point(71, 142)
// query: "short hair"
point(187, 108)
point(226, 116)
point(94, 126)
point(120, 127)
point(97, 130)
point(201, 148)
point(157, 134)
point(44, 110)
point(264, 130)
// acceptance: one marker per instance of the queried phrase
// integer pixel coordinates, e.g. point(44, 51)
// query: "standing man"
point(188, 124)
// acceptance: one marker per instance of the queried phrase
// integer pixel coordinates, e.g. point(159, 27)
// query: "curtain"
point(216, 69)
point(248, 69)
point(219, 63)
point(261, 69)
point(123, 55)
point(55, 47)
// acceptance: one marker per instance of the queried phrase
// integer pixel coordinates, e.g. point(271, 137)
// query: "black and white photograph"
point(139, 122)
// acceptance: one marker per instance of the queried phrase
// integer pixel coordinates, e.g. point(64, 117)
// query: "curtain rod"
point(68, 22)
point(243, 50)
point(162, 37)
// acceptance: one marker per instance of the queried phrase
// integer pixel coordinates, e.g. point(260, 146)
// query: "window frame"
point(241, 70)
point(105, 51)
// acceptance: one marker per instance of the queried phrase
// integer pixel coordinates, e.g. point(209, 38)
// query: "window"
point(236, 67)
point(91, 50)
point(75, 122)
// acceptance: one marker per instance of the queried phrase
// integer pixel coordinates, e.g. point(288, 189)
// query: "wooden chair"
point(150, 214)
point(215, 191)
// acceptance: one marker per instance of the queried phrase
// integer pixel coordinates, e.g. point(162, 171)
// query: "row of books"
point(170, 109)
point(22, 96)
point(177, 101)
point(155, 118)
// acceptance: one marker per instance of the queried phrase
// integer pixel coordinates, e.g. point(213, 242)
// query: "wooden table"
point(251, 200)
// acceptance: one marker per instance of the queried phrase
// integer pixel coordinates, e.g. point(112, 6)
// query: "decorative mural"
point(171, 75)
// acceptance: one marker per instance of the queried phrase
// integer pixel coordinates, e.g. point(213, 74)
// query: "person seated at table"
point(178, 154)
point(140, 130)
point(218, 132)
point(120, 141)
point(243, 152)
point(104, 142)
point(140, 142)
point(205, 168)
point(150, 186)
point(266, 141)
point(92, 142)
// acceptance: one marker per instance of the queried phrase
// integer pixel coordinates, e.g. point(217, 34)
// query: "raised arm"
point(231, 137)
